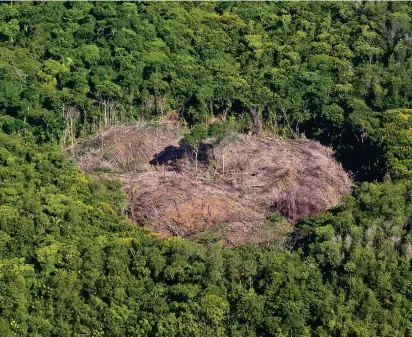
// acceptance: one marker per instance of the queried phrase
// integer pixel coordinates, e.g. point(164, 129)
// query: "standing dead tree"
point(257, 120)
point(284, 110)
point(148, 106)
point(71, 114)
point(108, 109)
point(160, 103)
point(155, 104)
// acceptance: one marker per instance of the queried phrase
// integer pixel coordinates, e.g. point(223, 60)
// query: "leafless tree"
point(284, 110)
point(71, 115)
point(257, 120)
point(160, 103)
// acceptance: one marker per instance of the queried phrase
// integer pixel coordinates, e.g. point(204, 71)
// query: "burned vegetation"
point(233, 183)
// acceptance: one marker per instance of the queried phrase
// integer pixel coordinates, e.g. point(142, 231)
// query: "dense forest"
point(72, 265)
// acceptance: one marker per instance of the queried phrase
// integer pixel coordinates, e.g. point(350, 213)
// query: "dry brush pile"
point(238, 182)
point(296, 178)
point(126, 148)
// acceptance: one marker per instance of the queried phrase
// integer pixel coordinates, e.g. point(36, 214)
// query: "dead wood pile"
point(126, 148)
point(238, 183)
point(172, 204)
point(296, 178)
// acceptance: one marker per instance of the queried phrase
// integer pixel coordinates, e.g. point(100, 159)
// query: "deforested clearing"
point(235, 183)
point(126, 148)
point(296, 178)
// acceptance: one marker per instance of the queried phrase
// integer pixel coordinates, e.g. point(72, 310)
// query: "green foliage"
point(274, 218)
point(363, 250)
point(195, 135)
point(70, 265)
point(65, 253)
point(396, 137)
point(323, 70)
point(219, 130)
